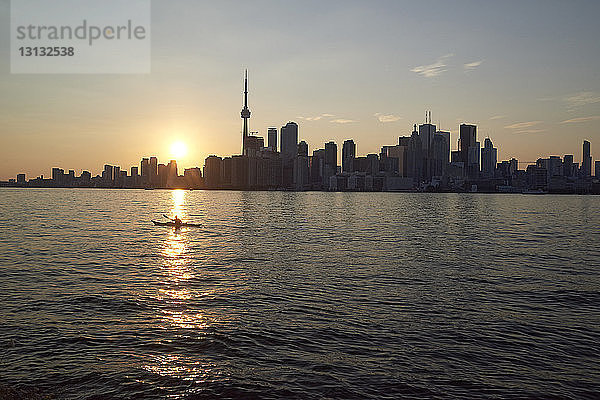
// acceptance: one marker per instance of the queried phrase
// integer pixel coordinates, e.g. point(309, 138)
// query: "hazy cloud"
point(581, 119)
point(342, 121)
point(387, 117)
point(498, 117)
point(317, 117)
point(575, 100)
point(435, 69)
point(472, 65)
point(581, 99)
point(530, 131)
point(523, 125)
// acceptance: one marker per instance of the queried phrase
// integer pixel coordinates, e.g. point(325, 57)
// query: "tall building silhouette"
point(245, 114)
point(153, 171)
point(469, 149)
point(317, 166)
point(330, 161)
point(289, 151)
point(427, 134)
point(212, 172)
point(586, 162)
point(301, 167)
point(272, 138)
point(414, 159)
point(289, 141)
point(489, 158)
point(348, 155)
point(568, 165)
point(145, 171)
point(446, 136)
point(467, 138)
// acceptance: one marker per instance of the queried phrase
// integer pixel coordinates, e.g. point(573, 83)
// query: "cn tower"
point(245, 114)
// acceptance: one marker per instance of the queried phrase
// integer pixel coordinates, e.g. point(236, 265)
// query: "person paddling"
point(177, 222)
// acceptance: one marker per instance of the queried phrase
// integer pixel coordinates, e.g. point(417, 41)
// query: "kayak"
point(171, 223)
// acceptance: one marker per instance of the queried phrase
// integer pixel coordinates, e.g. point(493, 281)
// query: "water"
point(299, 295)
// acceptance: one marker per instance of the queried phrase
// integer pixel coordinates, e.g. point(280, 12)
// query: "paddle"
point(164, 215)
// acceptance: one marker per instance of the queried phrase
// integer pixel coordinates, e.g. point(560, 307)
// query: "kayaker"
point(177, 221)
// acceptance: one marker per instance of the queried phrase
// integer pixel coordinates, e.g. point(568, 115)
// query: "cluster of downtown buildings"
point(419, 162)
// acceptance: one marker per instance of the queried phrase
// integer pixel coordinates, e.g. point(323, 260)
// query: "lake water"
point(299, 295)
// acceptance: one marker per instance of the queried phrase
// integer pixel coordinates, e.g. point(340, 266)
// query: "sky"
point(525, 72)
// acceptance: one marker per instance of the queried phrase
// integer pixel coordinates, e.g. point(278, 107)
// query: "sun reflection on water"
point(179, 200)
point(178, 296)
point(176, 366)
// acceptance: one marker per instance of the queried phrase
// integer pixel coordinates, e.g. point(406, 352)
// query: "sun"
point(178, 150)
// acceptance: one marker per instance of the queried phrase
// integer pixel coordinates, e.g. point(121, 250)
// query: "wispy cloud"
point(576, 100)
point(523, 125)
point(523, 131)
point(498, 117)
point(317, 117)
point(472, 65)
point(581, 99)
point(432, 70)
point(342, 121)
point(581, 119)
point(387, 117)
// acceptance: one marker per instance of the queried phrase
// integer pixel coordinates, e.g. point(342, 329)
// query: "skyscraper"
point(289, 141)
point(568, 165)
point(586, 162)
point(438, 156)
point(469, 149)
point(348, 155)
point(301, 167)
point(107, 174)
point(117, 175)
point(426, 132)
point(473, 162)
point(446, 136)
point(330, 161)
point(414, 157)
point(272, 138)
point(489, 158)
point(513, 166)
point(153, 171)
point(245, 114)
point(303, 148)
point(467, 138)
point(289, 151)
point(317, 165)
point(212, 172)
point(145, 171)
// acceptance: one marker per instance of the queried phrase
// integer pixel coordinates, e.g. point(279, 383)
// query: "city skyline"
point(524, 74)
point(340, 158)
point(422, 161)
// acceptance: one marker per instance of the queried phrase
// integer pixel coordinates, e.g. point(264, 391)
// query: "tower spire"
point(246, 90)
point(245, 113)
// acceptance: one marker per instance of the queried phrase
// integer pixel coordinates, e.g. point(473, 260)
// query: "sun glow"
point(178, 150)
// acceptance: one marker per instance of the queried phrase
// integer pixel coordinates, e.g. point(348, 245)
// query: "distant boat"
point(173, 224)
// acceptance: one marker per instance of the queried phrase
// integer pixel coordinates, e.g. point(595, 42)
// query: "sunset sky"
point(527, 73)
